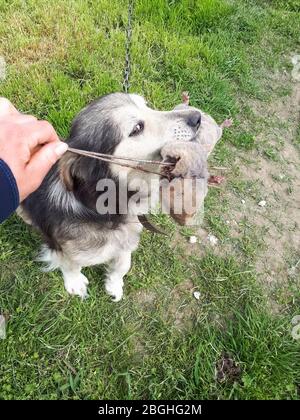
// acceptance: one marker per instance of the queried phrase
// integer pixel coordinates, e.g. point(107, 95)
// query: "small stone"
point(243, 201)
point(296, 320)
point(292, 271)
point(262, 203)
point(196, 295)
point(193, 239)
point(212, 239)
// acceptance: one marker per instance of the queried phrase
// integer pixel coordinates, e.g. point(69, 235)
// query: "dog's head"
point(122, 125)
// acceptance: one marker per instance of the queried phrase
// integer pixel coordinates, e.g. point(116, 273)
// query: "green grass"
point(159, 342)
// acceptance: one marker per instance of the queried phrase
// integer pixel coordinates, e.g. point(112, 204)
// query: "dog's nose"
point(194, 119)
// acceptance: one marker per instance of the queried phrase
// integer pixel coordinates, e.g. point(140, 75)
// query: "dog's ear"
point(67, 165)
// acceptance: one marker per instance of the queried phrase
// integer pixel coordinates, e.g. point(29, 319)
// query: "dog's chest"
point(102, 246)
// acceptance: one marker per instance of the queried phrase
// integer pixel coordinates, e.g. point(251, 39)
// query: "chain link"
point(127, 69)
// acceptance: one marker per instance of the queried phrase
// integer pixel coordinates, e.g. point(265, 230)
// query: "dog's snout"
point(194, 119)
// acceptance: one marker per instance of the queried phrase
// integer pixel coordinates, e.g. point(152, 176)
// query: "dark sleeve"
point(9, 193)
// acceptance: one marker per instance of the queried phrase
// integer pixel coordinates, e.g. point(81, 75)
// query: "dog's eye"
point(137, 129)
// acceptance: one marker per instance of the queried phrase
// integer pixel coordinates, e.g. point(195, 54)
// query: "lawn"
point(235, 342)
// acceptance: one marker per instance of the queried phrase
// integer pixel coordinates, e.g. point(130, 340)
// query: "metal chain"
point(127, 69)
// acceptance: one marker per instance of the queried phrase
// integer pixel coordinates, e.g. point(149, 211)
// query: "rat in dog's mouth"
point(190, 158)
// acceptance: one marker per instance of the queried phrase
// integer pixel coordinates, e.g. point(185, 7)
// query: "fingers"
point(17, 118)
point(7, 108)
point(38, 133)
point(23, 119)
point(30, 147)
point(42, 161)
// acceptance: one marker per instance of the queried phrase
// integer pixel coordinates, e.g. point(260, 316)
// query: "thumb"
point(6, 108)
point(42, 161)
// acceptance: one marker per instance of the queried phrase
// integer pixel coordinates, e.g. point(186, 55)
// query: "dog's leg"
point(75, 282)
point(117, 269)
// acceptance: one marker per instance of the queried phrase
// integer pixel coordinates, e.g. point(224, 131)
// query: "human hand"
point(28, 146)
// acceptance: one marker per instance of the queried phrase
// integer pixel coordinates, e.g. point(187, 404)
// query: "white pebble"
point(262, 203)
point(196, 295)
point(292, 271)
point(193, 239)
point(243, 201)
point(212, 239)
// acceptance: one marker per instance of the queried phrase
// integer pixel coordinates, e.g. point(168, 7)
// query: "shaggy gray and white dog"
point(64, 210)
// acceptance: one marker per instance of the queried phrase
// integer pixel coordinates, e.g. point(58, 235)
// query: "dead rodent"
point(188, 160)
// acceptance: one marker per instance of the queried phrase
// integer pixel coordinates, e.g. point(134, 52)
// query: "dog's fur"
point(64, 207)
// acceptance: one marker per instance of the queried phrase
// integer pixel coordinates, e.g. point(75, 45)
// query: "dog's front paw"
point(77, 285)
point(114, 287)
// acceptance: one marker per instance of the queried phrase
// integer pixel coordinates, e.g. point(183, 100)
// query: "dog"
point(64, 208)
